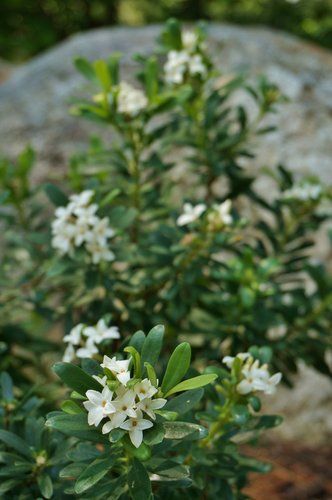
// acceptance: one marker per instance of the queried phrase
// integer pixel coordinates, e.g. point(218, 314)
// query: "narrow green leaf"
point(193, 383)
point(102, 72)
point(137, 340)
point(139, 482)
point(184, 402)
point(8, 485)
point(75, 426)
point(71, 407)
point(75, 378)
point(177, 366)
point(6, 386)
point(12, 441)
point(93, 473)
point(85, 68)
point(151, 374)
point(45, 485)
point(113, 67)
point(184, 430)
point(152, 346)
point(151, 77)
point(55, 195)
point(136, 359)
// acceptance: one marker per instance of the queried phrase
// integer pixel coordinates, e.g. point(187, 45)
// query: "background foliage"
point(30, 27)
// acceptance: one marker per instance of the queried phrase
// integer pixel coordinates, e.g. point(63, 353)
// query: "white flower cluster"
point(130, 101)
point(82, 340)
point(77, 224)
point(255, 377)
point(303, 192)
point(127, 406)
point(185, 61)
point(220, 212)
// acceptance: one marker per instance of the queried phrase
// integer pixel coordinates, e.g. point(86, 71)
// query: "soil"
point(299, 473)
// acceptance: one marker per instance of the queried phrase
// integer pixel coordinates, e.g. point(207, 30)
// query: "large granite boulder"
point(34, 105)
point(34, 101)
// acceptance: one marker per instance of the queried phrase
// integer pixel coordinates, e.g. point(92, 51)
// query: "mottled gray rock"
point(34, 108)
point(34, 101)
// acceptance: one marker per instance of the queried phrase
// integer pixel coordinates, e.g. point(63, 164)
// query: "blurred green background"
point(30, 26)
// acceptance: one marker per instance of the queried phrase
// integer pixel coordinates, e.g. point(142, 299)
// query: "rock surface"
point(35, 100)
point(34, 108)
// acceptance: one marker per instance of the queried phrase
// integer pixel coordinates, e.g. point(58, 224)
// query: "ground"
point(299, 473)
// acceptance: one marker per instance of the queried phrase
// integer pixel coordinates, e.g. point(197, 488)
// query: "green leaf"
point(137, 340)
point(72, 470)
point(6, 387)
point(113, 67)
point(151, 77)
point(75, 426)
point(184, 402)
point(45, 485)
point(142, 453)
point(136, 359)
point(154, 435)
point(109, 197)
point(102, 72)
point(151, 374)
point(71, 407)
point(75, 378)
point(57, 197)
point(193, 383)
point(93, 473)
point(240, 414)
point(177, 366)
point(85, 68)
point(184, 430)
point(152, 345)
point(116, 434)
point(8, 485)
point(139, 482)
point(15, 442)
point(167, 415)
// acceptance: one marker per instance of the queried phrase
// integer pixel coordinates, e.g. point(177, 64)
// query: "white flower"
point(101, 332)
point(75, 334)
point(135, 427)
point(180, 62)
point(69, 354)
point(118, 368)
point(271, 383)
point(86, 214)
point(125, 403)
point(101, 231)
point(189, 40)
point(144, 389)
point(190, 213)
point(304, 192)
point(175, 66)
point(81, 199)
point(130, 101)
point(77, 224)
point(115, 420)
point(224, 212)
point(257, 378)
point(98, 405)
point(63, 233)
point(148, 405)
point(196, 65)
point(276, 332)
point(102, 380)
point(99, 253)
point(229, 360)
point(88, 350)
